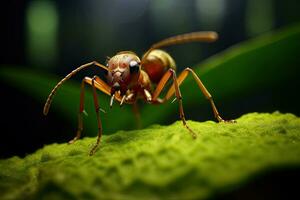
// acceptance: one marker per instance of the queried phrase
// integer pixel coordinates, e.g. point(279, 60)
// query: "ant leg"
point(97, 108)
point(137, 115)
point(99, 84)
point(81, 110)
point(208, 96)
point(179, 98)
point(176, 89)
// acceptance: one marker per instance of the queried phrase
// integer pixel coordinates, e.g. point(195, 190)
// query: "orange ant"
point(129, 79)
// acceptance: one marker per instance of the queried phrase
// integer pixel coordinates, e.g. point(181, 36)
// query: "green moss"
point(161, 162)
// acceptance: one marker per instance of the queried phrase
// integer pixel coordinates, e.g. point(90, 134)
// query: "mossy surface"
point(160, 162)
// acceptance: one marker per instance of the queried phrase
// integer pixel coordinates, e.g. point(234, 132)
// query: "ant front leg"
point(81, 111)
point(96, 83)
point(97, 108)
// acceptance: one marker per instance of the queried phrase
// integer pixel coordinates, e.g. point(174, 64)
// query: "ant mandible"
point(129, 79)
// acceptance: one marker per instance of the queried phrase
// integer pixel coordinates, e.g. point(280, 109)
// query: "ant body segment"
point(130, 78)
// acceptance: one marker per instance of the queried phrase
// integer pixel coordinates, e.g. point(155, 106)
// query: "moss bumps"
point(158, 162)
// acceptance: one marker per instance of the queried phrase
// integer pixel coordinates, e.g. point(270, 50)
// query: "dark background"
point(57, 36)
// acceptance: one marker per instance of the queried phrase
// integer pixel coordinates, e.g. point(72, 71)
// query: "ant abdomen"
point(157, 63)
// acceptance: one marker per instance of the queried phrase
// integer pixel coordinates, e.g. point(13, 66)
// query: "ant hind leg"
point(174, 89)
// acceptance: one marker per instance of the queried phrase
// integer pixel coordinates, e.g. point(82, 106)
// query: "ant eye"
point(134, 66)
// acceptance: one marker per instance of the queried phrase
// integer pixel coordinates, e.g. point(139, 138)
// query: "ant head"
point(123, 70)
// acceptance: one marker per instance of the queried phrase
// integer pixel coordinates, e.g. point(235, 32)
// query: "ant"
point(130, 78)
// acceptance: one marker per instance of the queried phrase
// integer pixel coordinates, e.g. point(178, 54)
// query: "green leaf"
point(162, 162)
point(259, 64)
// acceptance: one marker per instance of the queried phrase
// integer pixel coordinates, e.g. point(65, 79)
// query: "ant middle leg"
point(137, 115)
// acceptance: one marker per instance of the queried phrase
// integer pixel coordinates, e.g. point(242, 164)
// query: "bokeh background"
point(53, 37)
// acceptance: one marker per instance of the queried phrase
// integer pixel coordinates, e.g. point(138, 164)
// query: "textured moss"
point(161, 162)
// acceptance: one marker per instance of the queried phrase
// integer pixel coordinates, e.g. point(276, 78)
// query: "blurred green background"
point(256, 68)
